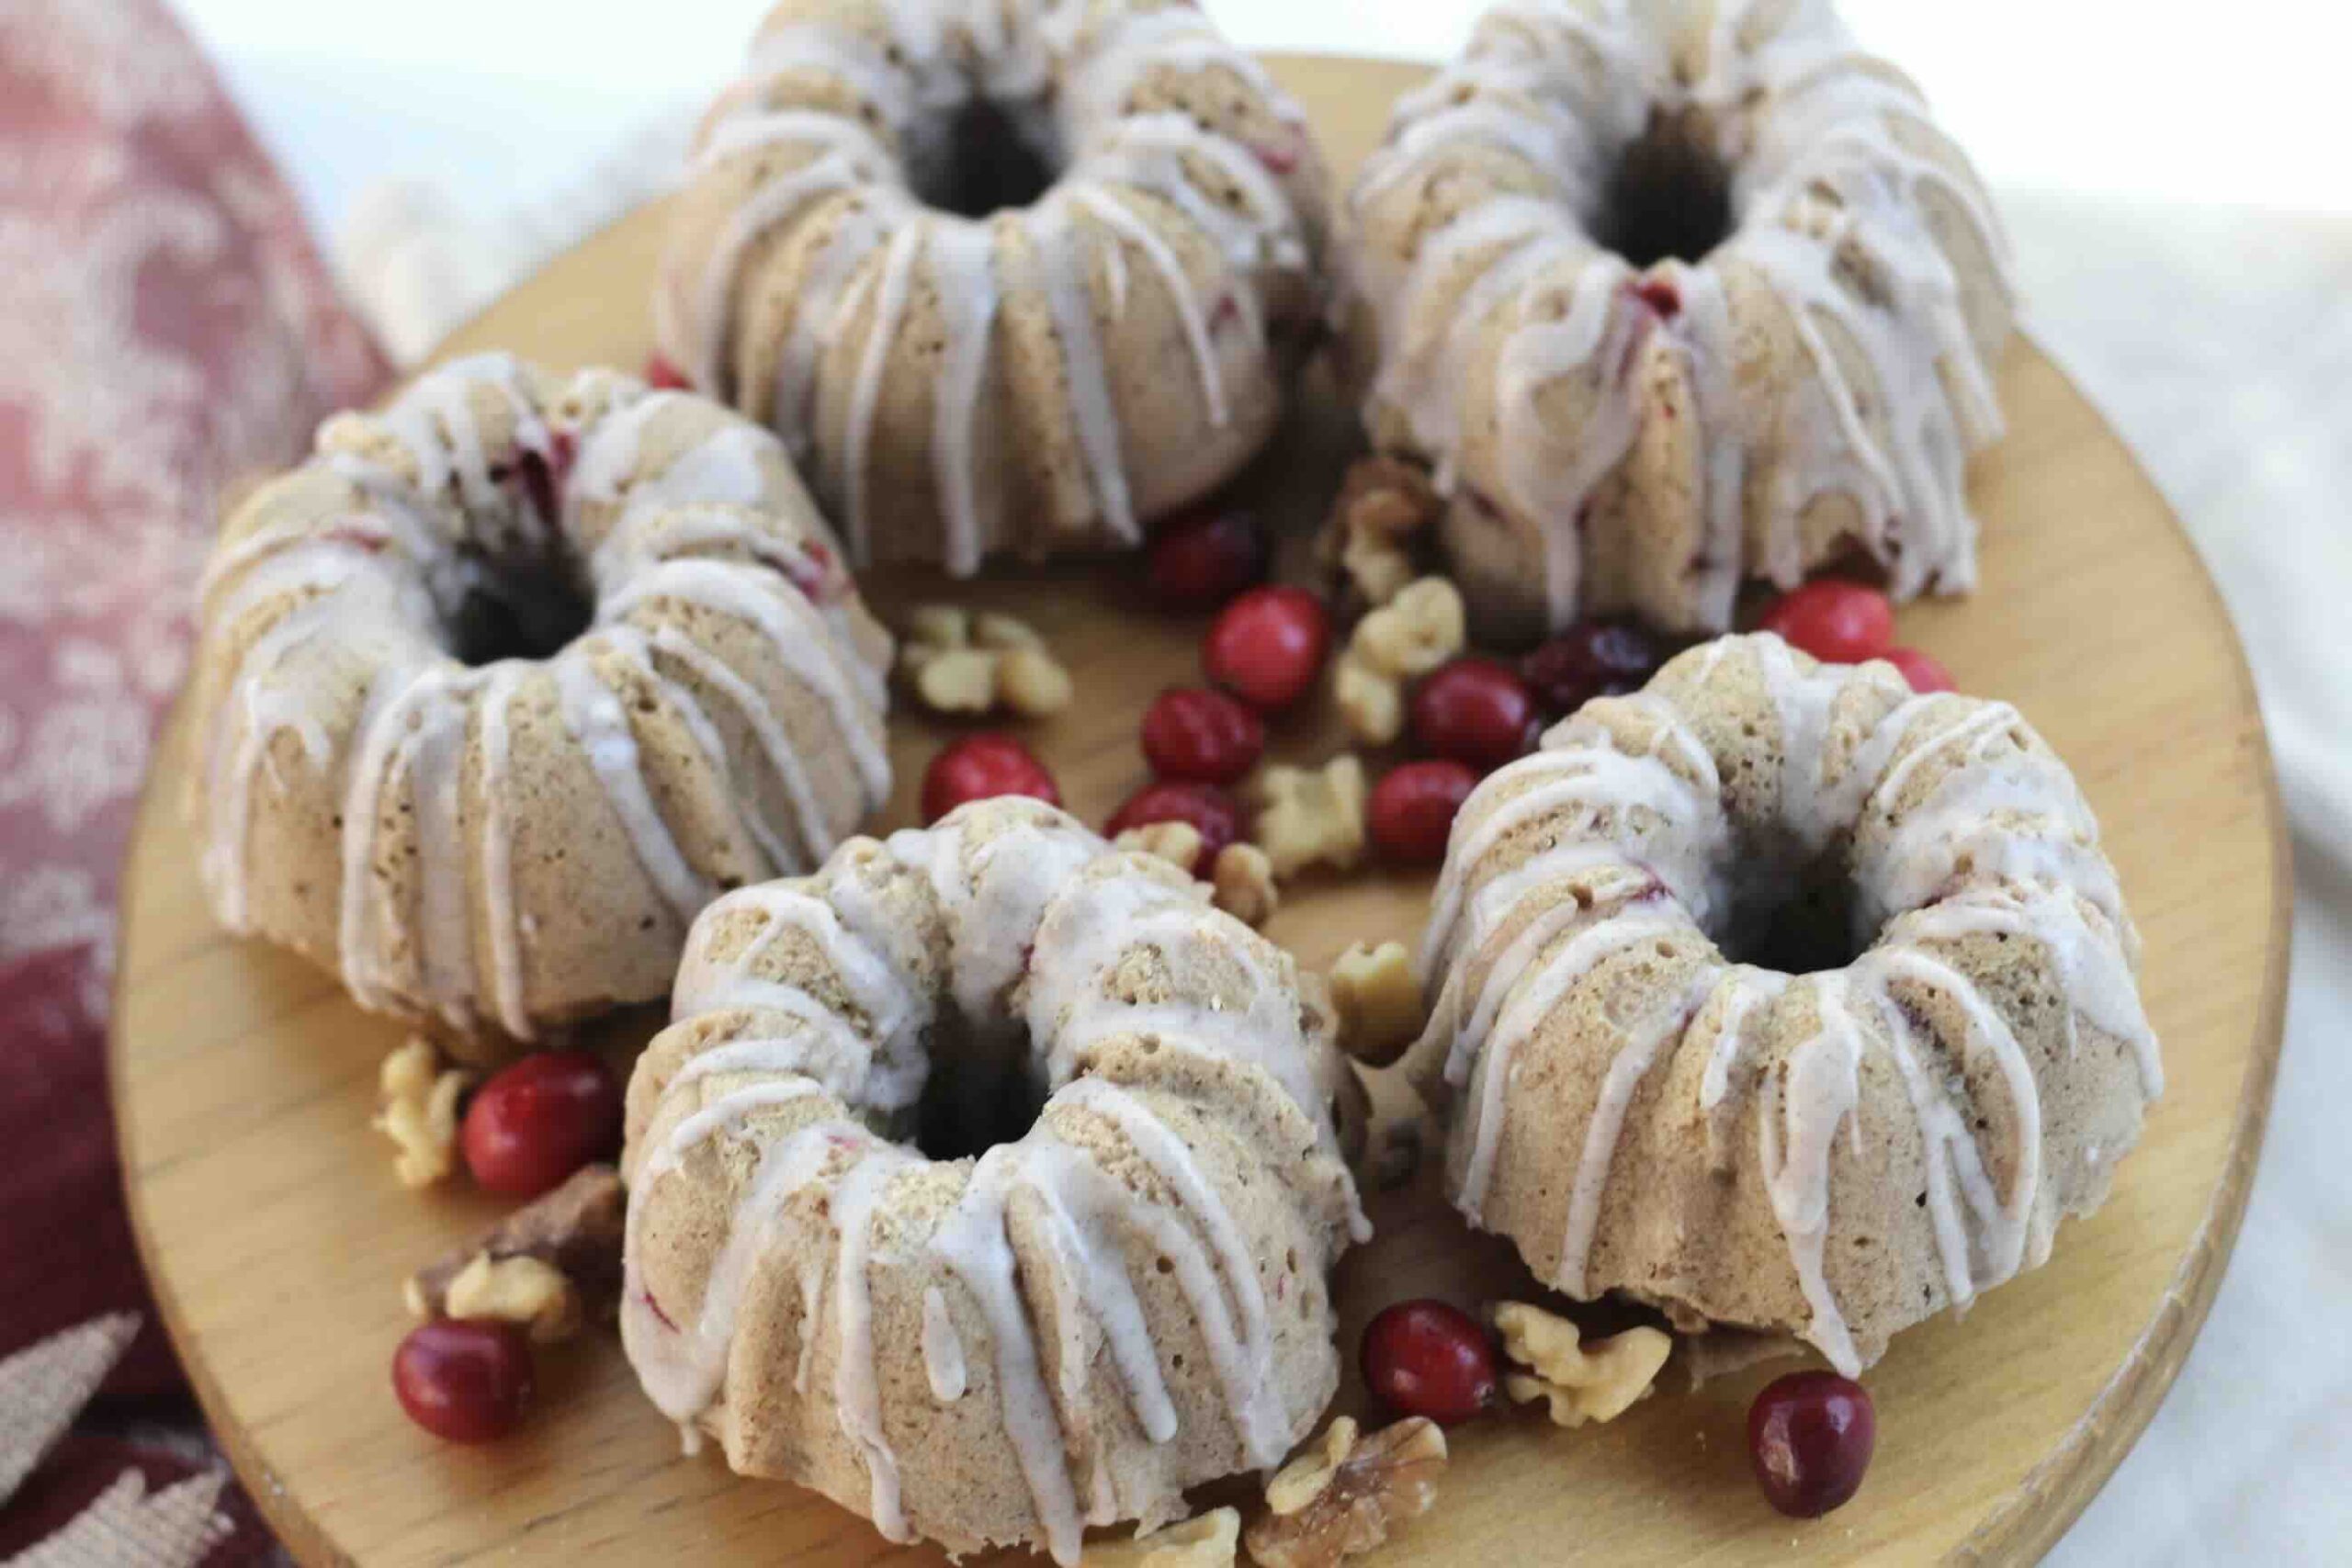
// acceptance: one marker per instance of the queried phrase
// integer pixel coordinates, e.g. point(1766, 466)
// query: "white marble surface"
point(2188, 258)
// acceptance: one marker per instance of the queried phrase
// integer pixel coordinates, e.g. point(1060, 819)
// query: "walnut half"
point(1581, 1384)
point(575, 1232)
point(419, 1099)
point(1311, 815)
point(1369, 536)
point(1177, 843)
point(1378, 1001)
point(962, 664)
point(1207, 1540)
point(1420, 627)
point(1347, 1494)
point(1244, 879)
point(520, 1290)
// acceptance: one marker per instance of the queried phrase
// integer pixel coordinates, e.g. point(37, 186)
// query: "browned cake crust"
point(1046, 375)
point(1835, 1155)
point(413, 772)
point(1628, 418)
point(1128, 1298)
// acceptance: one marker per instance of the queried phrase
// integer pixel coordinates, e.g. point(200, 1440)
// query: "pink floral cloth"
point(165, 329)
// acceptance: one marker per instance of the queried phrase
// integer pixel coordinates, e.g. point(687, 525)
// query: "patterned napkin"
point(166, 328)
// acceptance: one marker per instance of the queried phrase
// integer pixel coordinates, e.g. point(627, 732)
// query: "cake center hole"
point(979, 1094)
point(519, 594)
point(988, 157)
point(1669, 195)
point(1800, 921)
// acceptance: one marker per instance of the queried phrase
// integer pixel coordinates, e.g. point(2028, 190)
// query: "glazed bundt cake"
point(505, 682)
point(1834, 1154)
point(1670, 293)
point(1124, 1300)
point(1007, 275)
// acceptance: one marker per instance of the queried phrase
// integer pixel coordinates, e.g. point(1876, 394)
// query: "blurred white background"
point(2154, 99)
point(2179, 182)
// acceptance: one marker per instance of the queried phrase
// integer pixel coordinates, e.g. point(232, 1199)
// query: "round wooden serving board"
point(277, 1238)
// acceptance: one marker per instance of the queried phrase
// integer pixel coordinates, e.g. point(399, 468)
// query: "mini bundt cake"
point(1670, 293)
point(1832, 1154)
point(1006, 275)
point(1125, 1300)
point(505, 682)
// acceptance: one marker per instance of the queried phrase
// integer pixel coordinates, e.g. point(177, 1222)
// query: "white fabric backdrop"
point(2189, 257)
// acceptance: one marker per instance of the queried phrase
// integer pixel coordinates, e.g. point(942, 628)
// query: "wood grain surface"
point(267, 1213)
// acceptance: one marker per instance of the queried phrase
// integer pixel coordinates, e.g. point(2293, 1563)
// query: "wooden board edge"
point(2046, 1504)
point(302, 1536)
point(2055, 1492)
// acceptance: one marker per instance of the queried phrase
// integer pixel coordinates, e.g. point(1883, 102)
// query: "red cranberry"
point(1412, 808)
point(1924, 674)
point(1280, 158)
point(1426, 1358)
point(1475, 710)
point(1836, 621)
point(535, 1122)
point(1268, 645)
point(664, 377)
point(1591, 658)
point(463, 1381)
point(1661, 295)
point(1201, 559)
point(979, 767)
point(1193, 733)
point(1210, 810)
point(1809, 1436)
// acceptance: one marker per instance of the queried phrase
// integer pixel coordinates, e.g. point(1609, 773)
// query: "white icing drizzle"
point(847, 156)
point(943, 1349)
point(898, 259)
point(1066, 73)
point(593, 713)
point(795, 634)
point(1054, 251)
point(1105, 209)
point(2000, 842)
point(682, 1367)
point(1824, 190)
point(1665, 1021)
point(1022, 890)
point(359, 600)
point(887, 1048)
point(963, 270)
point(498, 849)
point(856, 1391)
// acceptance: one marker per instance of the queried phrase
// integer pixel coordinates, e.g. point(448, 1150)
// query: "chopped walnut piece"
point(1595, 1383)
point(1422, 628)
point(1378, 568)
point(936, 628)
point(1244, 879)
point(419, 1099)
point(994, 628)
point(1207, 1540)
point(1382, 503)
point(1371, 703)
point(1348, 1494)
point(1311, 815)
point(1378, 1001)
point(961, 664)
point(1031, 683)
point(520, 1290)
point(1177, 843)
point(954, 680)
point(575, 1230)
